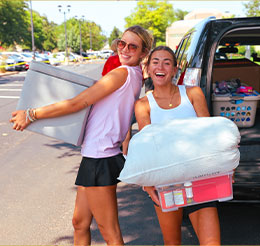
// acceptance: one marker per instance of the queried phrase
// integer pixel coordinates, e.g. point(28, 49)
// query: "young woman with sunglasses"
point(113, 98)
point(168, 101)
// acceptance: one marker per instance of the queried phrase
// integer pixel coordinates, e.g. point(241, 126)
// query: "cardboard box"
point(248, 72)
point(44, 85)
point(190, 193)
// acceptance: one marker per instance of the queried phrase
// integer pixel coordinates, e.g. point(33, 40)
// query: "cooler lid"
point(61, 73)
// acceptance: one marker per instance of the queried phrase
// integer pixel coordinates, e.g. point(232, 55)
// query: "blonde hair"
point(144, 35)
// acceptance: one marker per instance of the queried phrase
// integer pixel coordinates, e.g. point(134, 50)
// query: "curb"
point(8, 73)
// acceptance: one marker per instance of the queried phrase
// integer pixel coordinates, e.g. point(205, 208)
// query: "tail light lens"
point(192, 77)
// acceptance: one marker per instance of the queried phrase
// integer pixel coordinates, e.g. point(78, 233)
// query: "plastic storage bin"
point(241, 110)
point(189, 193)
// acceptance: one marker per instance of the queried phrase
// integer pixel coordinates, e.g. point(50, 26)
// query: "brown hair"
point(166, 48)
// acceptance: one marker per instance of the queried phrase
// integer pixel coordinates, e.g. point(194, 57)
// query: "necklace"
point(170, 104)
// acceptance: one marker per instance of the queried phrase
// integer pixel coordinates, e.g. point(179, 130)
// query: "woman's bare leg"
point(170, 223)
point(82, 218)
point(206, 225)
point(102, 202)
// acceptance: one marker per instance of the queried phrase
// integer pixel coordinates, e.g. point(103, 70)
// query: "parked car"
point(84, 55)
point(200, 65)
point(53, 60)
point(61, 56)
point(104, 54)
point(28, 57)
point(42, 58)
point(76, 56)
point(15, 63)
point(92, 55)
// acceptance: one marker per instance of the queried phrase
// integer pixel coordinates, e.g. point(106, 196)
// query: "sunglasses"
point(122, 44)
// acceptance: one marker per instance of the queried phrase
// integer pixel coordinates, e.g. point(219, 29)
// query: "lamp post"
point(66, 41)
point(32, 31)
point(80, 42)
point(90, 36)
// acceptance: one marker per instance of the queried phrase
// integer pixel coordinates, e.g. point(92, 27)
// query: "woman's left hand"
point(152, 194)
point(19, 120)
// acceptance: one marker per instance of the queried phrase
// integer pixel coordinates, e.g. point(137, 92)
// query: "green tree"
point(38, 29)
point(91, 35)
point(242, 50)
point(155, 16)
point(13, 24)
point(252, 8)
point(50, 39)
point(179, 14)
point(98, 40)
point(116, 33)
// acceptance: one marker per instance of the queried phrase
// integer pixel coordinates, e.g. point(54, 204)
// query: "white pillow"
point(182, 150)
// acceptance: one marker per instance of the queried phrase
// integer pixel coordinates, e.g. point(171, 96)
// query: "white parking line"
point(10, 89)
point(9, 97)
point(11, 85)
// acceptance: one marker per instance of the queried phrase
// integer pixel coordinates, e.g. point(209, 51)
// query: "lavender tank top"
point(110, 118)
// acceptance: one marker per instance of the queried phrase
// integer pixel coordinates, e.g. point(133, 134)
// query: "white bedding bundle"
point(182, 150)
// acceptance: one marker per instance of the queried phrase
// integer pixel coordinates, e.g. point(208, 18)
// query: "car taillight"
point(192, 77)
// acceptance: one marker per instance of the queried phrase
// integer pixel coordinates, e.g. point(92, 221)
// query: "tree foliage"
point(91, 35)
point(50, 39)
point(15, 29)
point(13, 24)
point(155, 16)
point(252, 8)
point(179, 14)
point(116, 33)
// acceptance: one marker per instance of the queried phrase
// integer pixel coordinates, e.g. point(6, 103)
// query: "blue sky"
point(108, 14)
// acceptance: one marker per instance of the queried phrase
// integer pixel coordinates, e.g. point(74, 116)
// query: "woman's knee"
point(79, 223)
point(111, 234)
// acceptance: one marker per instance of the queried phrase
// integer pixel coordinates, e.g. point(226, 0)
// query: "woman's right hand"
point(19, 120)
point(152, 194)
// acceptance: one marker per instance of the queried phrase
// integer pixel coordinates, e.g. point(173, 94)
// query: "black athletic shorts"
point(100, 171)
point(190, 209)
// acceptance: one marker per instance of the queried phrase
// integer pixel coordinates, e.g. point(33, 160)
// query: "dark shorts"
point(190, 209)
point(100, 171)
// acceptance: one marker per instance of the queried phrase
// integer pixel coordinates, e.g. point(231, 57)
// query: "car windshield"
point(240, 44)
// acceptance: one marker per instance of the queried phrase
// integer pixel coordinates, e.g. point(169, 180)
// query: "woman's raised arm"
point(102, 88)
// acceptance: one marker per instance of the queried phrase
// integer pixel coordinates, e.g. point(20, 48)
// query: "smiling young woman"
point(169, 101)
point(113, 98)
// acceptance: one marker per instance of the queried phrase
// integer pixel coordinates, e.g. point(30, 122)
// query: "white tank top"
point(184, 110)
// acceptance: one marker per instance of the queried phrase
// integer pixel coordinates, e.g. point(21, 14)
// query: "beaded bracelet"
point(30, 115)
